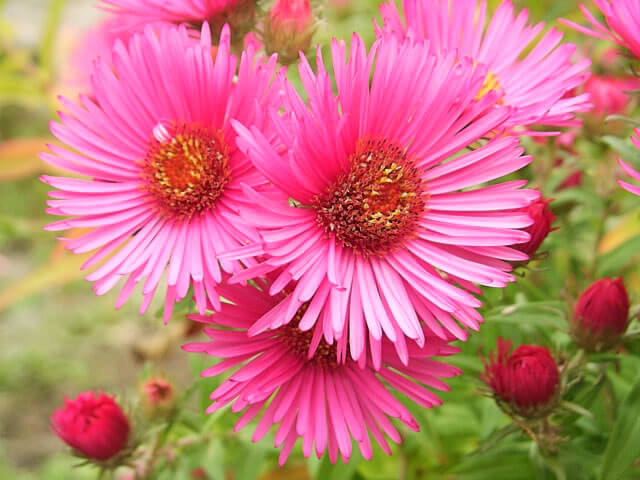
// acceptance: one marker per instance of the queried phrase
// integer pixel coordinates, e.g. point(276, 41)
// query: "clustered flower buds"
point(601, 315)
point(288, 29)
point(92, 424)
point(543, 218)
point(525, 382)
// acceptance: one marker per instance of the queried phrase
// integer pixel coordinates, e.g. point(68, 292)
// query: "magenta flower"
point(538, 85)
point(164, 173)
point(176, 11)
point(311, 388)
point(629, 169)
point(373, 220)
point(623, 23)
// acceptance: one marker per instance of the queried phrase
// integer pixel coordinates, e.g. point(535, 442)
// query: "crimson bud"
point(524, 382)
point(601, 315)
point(94, 425)
point(543, 217)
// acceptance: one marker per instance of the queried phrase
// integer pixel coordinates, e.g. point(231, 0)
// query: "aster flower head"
point(629, 169)
point(162, 171)
point(525, 381)
point(607, 93)
point(371, 219)
point(537, 84)
point(310, 389)
point(622, 19)
point(175, 11)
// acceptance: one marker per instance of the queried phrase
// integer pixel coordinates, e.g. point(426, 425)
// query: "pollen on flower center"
point(491, 83)
point(374, 206)
point(299, 342)
point(186, 169)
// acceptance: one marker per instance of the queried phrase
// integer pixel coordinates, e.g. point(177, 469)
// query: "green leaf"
point(623, 447)
point(507, 462)
point(612, 262)
point(545, 314)
point(626, 150)
point(252, 464)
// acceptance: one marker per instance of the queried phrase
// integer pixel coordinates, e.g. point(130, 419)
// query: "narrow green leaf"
point(623, 447)
point(624, 147)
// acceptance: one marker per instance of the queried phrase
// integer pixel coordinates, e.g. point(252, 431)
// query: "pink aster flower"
point(311, 388)
point(608, 95)
point(537, 84)
point(623, 23)
point(373, 219)
point(163, 169)
point(629, 169)
point(97, 42)
point(176, 11)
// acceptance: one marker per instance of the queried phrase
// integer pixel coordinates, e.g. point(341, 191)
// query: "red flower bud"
point(525, 381)
point(158, 396)
point(601, 315)
point(288, 29)
point(542, 217)
point(94, 425)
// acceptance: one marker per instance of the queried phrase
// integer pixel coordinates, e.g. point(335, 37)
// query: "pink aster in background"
point(162, 171)
point(623, 23)
point(373, 221)
point(629, 169)
point(311, 389)
point(537, 84)
point(608, 93)
point(176, 11)
point(97, 42)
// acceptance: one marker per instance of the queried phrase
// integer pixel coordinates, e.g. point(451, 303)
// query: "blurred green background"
point(57, 338)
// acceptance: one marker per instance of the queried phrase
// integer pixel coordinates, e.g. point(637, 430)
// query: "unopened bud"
point(93, 425)
point(601, 315)
point(158, 396)
point(525, 382)
point(543, 217)
point(288, 29)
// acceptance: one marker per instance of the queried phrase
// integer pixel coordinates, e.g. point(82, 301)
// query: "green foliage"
point(623, 448)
